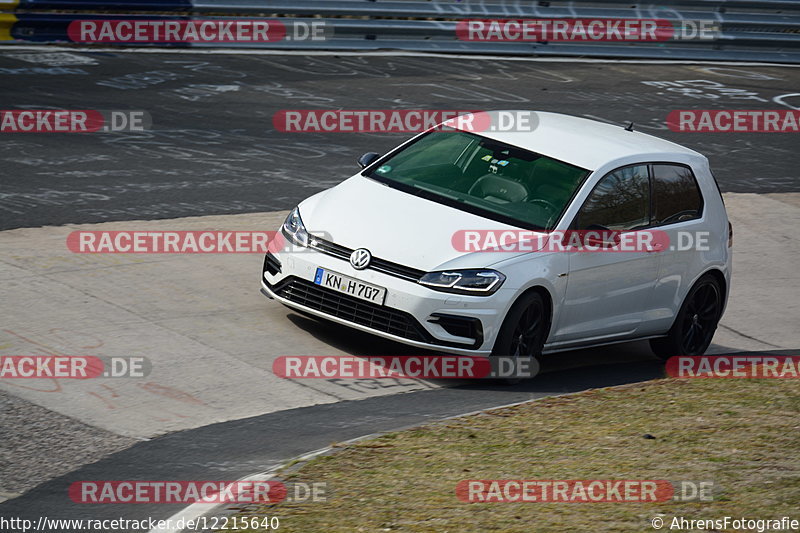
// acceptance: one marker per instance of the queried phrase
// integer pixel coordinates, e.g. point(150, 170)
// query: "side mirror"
point(367, 159)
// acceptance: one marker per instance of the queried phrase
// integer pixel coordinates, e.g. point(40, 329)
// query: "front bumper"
point(412, 314)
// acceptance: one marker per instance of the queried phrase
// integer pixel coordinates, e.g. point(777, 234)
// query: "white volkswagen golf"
point(377, 251)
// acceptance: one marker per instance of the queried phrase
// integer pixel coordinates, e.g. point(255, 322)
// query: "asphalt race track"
point(213, 149)
point(211, 408)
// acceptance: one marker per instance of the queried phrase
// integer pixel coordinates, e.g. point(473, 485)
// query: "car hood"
point(397, 226)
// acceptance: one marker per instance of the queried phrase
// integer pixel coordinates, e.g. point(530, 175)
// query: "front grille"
point(331, 248)
point(394, 269)
point(333, 303)
point(381, 265)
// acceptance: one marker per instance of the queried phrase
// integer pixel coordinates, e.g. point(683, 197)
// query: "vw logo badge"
point(360, 258)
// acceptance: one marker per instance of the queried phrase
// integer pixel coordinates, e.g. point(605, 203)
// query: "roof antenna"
point(629, 127)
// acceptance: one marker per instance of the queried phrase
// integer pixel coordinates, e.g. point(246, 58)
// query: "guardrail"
point(747, 30)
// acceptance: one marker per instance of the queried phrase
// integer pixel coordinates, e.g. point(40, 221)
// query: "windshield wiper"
point(437, 193)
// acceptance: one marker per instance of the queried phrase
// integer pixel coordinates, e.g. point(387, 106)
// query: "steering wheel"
point(548, 206)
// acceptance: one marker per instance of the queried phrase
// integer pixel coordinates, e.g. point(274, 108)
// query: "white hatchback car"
point(376, 252)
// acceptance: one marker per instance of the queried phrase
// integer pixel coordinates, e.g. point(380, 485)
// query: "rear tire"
point(696, 322)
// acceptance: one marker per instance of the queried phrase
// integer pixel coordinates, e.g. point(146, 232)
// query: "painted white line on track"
point(387, 53)
point(197, 510)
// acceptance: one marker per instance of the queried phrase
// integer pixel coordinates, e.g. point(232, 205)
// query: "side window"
point(676, 196)
point(620, 201)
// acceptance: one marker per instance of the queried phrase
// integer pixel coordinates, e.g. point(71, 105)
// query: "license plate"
point(351, 286)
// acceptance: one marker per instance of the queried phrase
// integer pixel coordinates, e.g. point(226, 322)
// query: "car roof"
point(583, 142)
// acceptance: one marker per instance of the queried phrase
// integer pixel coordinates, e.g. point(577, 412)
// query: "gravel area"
point(38, 444)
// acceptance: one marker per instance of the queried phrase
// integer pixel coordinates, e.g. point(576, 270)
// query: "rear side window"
point(676, 196)
point(620, 201)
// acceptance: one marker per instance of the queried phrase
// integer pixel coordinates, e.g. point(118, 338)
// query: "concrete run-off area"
point(211, 336)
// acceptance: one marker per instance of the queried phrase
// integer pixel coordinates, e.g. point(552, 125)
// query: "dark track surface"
point(213, 149)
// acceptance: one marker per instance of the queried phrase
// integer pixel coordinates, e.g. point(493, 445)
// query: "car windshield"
point(483, 176)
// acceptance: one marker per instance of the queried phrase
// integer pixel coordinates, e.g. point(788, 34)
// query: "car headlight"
point(473, 282)
point(293, 228)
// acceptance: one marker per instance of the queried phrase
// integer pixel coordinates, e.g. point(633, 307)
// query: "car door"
point(677, 211)
point(609, 291)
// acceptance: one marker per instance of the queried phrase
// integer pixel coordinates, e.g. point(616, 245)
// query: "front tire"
point(524, 330)
point(696, 322)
